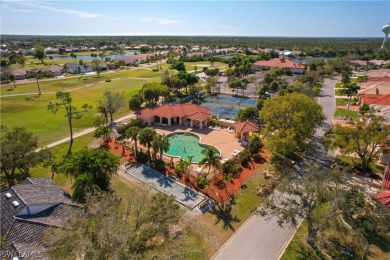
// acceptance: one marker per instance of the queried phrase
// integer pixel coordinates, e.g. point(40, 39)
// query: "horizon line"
point(193, 35)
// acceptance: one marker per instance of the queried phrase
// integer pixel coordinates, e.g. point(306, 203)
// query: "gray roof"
point(40, 191)
point(19, 226)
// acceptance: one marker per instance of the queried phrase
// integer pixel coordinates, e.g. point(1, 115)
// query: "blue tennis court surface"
point(226, 106)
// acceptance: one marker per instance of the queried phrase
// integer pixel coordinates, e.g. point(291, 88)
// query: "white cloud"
point(48, 7)
point(4, 7)
point(159, 20)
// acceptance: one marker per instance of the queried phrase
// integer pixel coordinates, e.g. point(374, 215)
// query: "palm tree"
point(161, 143)
point(83, 185)
point(102, 109)
point(132, 134)
point(65, 69)
point(146, 136)
point(184, 166)
point(352, 89)
point(211, 158)
point(38, 75)
point(12, 79)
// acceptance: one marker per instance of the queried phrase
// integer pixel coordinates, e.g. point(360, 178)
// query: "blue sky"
point(241, 18)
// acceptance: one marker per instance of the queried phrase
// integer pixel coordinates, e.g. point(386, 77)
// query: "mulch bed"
point(219, 190)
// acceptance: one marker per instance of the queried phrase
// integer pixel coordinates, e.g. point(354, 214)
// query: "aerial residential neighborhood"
point(194, 130)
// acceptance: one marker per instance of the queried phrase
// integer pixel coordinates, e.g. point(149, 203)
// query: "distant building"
point(54, 70)
point(282, 63)
point(19, 73)
point(74, 68)
point(28, 210)
point(179, 114)
point(375, 85)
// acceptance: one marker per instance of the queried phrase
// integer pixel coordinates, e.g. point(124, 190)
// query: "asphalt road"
point(259, 238)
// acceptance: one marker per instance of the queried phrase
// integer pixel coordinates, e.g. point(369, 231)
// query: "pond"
point(88, 57)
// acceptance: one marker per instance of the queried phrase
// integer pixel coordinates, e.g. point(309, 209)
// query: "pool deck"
point(226, 142)
point(165, 184)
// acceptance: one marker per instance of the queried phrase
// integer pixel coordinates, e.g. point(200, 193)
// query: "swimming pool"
point(185, 144)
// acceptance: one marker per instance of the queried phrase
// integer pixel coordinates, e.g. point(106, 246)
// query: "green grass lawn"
point(341, 102)
point(298, 248)
point(340, 92)
point(190, 66)
point(246, 202)
point(49, 127)
point(343, 112)
point(379, 168)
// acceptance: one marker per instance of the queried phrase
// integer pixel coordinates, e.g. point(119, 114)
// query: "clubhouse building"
point(178, 114)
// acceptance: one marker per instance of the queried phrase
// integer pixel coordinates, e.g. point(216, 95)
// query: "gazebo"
point(178, 114)
point(244, 129)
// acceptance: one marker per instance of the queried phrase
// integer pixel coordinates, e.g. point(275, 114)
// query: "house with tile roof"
point(178, 114)
point(31, 208)
point(282, 63)
point(375, 85)
point(244, 129)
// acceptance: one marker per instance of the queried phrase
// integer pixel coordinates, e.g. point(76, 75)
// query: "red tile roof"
point(190, 110)
point(384, 197)
point(280, 63)
point(245, 127)
point(386, 177)
point(373, 99)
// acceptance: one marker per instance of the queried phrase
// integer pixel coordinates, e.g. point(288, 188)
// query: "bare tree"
point(113, 102)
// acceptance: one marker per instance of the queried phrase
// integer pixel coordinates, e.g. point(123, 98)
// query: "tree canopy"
point(18, 155)
point(109, 228)
point(364, 138)
point(289, 123)
point(100, 164)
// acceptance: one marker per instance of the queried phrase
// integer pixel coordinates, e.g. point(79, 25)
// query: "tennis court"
point(227, 106)
point(221, 110)
point(234, 100)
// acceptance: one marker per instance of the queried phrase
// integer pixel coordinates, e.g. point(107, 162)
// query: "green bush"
point(142, 157)
point(159, 165)
point(134, 122)
point(255, 146)
point(231, 166)
point(202, 182)
point(257, 158)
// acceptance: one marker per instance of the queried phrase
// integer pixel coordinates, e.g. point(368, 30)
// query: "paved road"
point(262, 239)
point(256, 239)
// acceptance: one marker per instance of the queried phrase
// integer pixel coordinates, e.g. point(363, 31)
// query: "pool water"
point(185, 145)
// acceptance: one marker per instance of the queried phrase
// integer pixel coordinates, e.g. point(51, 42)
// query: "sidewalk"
point(84, 132)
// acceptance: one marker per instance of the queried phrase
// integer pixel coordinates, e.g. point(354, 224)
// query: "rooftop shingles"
point(177, 110)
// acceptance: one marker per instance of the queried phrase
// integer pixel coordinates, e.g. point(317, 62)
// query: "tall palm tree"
point(352, 90)
point(161, 143)
point(132, 134)
point(211, 158)
point(37, 74)
point(146, 136)
point(83, 185)
point(12, 79)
